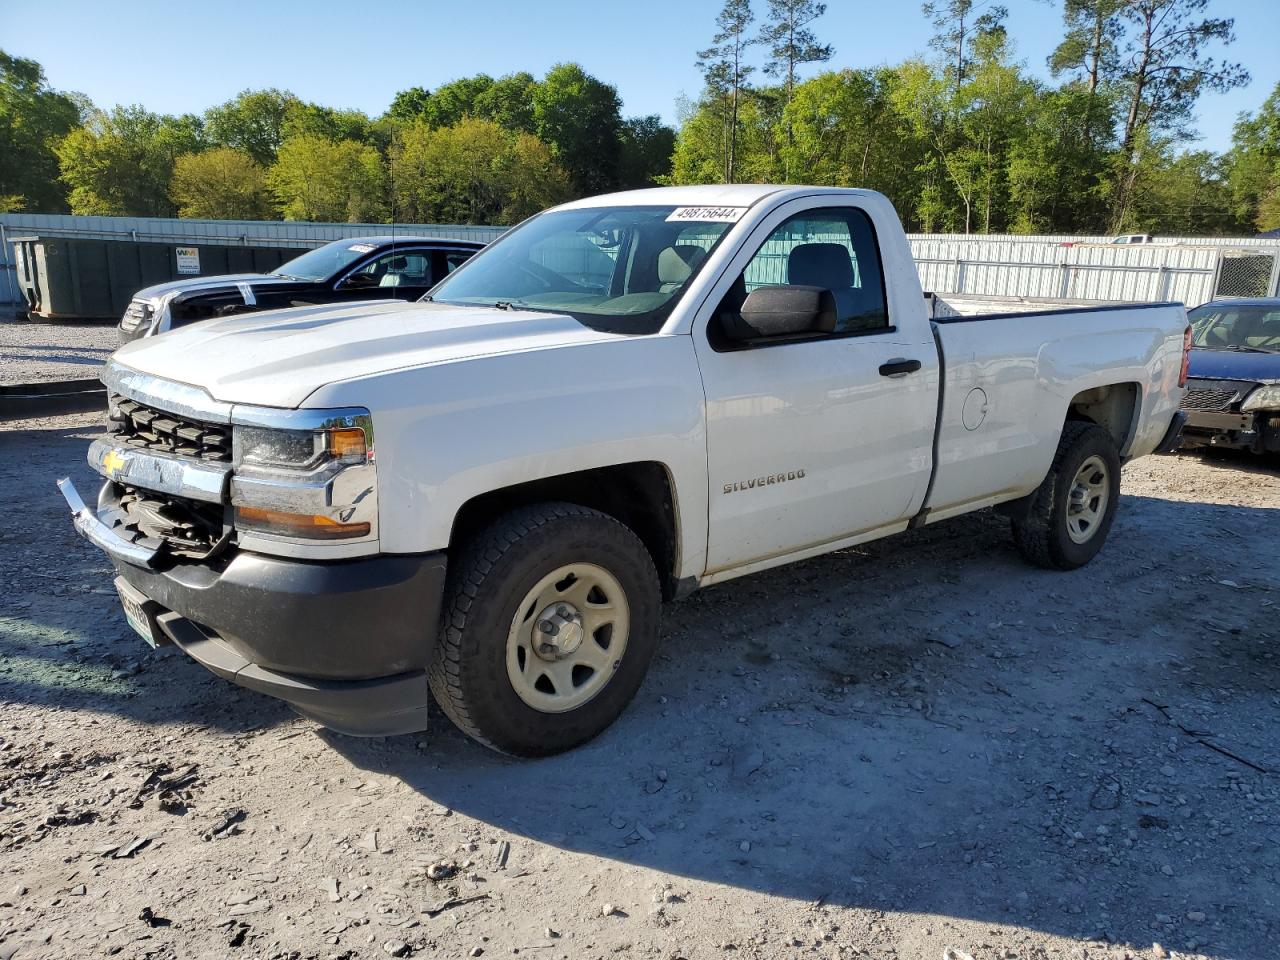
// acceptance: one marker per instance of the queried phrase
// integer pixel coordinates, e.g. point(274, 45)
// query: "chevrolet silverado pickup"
point(486, 496)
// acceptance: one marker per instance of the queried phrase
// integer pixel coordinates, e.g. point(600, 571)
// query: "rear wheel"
point(550, 624)
point(1071, 512)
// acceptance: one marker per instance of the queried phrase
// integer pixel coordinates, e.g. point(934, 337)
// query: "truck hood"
point(277, 358)
point(1234, 365)
point(194, 284)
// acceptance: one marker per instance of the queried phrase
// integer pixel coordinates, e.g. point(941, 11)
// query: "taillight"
point(1186, 358)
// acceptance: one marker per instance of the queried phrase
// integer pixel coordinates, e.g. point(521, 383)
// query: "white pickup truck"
point(489, 493)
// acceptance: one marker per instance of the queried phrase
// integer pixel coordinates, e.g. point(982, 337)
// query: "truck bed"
point(1015, 375)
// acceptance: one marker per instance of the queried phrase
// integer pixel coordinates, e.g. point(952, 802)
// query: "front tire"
point(551, 621)
point(1070, 513)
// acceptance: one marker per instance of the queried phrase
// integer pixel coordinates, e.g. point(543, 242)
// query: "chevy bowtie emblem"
point(112, 463)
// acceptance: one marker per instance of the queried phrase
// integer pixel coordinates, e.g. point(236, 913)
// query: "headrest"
point(675, 264)
point(820, 265)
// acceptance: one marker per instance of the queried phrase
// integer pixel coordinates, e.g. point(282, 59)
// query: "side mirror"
point(783, 311)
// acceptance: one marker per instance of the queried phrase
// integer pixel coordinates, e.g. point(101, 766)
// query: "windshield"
point(323, 262)
point(619, 269)
point(1228, 326)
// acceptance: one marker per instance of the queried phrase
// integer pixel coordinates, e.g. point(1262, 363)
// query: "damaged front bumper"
point(1257, 431)
point(344, 642)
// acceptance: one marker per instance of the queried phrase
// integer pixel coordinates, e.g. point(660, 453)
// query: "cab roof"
point(707, 195)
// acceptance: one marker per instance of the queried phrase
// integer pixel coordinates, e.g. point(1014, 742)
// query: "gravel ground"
point(920, 748)
point(31, 352)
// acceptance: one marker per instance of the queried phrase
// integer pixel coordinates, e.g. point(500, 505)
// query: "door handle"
point(899, 367)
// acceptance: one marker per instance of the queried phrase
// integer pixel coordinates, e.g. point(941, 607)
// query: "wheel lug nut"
point(547, 648)
point(547, 627)
point(563, 611)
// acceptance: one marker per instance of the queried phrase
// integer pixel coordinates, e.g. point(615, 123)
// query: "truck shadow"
point(927, 725)
point(63, 640)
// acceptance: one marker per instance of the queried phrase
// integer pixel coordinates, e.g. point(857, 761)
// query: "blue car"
point(1233, 387)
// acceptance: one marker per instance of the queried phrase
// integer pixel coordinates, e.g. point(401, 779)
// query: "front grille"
point(138, 425)
point(138, 313)
point(1209, 400)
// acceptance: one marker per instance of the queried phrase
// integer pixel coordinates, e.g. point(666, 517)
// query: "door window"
point(397, 268)
point(830, 248)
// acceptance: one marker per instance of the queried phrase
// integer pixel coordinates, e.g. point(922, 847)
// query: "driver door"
point(816, 440)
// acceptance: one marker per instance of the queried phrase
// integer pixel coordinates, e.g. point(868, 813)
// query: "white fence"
point(1012, 267)
point(1189, 269)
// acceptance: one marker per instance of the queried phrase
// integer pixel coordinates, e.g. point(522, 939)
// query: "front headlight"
point(304, 476)
point(299, 449)
point(1266, 397)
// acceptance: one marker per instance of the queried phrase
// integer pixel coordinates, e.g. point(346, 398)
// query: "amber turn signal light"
point(347, 443)
point(309, 526)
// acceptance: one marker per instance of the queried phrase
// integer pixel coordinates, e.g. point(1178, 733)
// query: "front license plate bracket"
point(140, 613)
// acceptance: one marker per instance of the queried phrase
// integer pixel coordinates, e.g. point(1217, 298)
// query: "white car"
point(488, 495)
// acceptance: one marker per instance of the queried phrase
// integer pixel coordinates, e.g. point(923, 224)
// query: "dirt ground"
point(31, 352)
point(920, 748)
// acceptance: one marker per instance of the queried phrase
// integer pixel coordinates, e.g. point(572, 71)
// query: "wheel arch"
point(640, 495)
point(1115, 407)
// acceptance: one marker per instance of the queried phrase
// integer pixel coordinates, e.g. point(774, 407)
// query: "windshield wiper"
point(509, 305)
point(1244, 349)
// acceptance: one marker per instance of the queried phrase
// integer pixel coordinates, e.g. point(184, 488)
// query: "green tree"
point(1179, 194)
point(315, 178)
point(699, 155)
point(1168, 66)
point(958, 26)
point(1167, 69)
point(473, 172)
point(579, 117)
point(846, 132)
point(409, 105)
point(32, 118)
point(252, 121)
point(725, 72)
point(790, 41)
point(303, 119)
point(534, 180)
point(456, 99)
point(647, 145)
point(1059, 166)
point(120, 162)
point(1090, 50)
point(508, 102)
point(220, 184)
point(1253, 164)
point(1268, 216)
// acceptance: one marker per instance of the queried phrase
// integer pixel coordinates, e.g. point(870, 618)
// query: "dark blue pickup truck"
point(1233, 391)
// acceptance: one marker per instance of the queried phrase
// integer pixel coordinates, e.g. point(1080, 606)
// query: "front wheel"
point(1071, 512)
point(550, 624)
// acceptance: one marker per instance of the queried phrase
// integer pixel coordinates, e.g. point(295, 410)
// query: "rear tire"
point(1070, 513)
point(550, 623)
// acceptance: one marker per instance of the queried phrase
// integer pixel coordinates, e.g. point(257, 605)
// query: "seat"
point(830, 265)
point(676, 264)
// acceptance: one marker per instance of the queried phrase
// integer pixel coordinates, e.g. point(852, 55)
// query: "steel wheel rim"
point(1087, 500)
point(554, 672)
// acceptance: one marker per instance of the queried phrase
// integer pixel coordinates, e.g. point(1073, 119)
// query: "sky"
point(174, 57)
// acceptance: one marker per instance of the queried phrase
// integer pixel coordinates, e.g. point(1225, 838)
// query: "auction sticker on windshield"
point(706, 214)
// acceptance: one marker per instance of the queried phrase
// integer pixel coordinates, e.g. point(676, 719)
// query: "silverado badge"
point(764, 481)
